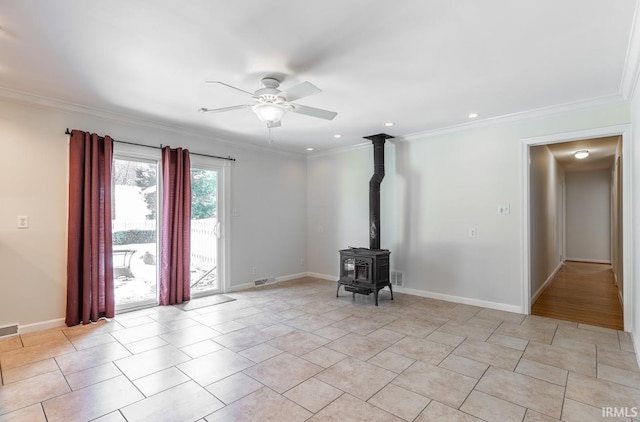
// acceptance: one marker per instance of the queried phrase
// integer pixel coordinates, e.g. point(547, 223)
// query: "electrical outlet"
point(23, 222)
point(504, 209)
point(473, 232)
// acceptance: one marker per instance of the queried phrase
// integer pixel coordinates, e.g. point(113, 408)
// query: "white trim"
point(21, 97)
point(337, 151)
point(599, 102)
point(222, 167)
point(589, 260)
point(239, 287)
point(226, 226)
point(291, 277)
point(280, 279)
point(459, 299)
point(439, 296)
point(631, 70)
point(636, 348)
point(627, 217)
point(323, 276)
point(546, 283)
point(39, 326)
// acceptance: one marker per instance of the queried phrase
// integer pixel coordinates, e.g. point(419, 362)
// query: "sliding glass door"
point(137, 177)
point(135, 231)
point(205, 230)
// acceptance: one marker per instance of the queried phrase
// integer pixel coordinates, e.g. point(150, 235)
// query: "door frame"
point(223, 167)
point(122, 151)
point(624, 131)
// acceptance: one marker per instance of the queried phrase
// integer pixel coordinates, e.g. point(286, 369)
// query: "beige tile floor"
point(294, 352)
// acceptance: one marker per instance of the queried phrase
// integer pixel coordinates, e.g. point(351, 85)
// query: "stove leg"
point(338, 289)
point(391, 290)
point(376, 294)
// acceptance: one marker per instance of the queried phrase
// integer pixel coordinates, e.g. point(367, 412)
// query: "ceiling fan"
point(271, 104)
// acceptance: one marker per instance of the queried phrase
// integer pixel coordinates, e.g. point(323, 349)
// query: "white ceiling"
point(422, 64)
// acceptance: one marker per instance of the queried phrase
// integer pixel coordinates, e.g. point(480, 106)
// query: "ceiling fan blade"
point(220, 110)
point(314, 112)
point(230, 86)
point(274, 124)
point(301, 90)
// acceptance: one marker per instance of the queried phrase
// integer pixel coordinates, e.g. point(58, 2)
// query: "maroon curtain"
point(89, 247)
point(175, 256)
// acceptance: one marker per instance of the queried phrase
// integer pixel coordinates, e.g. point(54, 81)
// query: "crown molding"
point(20, 97)
point(631, 71)
point(338, 151)
point(519, 116)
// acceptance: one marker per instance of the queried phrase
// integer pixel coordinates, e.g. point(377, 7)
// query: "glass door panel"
point(135, 245)
point(205, 232)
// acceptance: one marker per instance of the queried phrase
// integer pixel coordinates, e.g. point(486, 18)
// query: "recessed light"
point(582, 154)
point(337, 136)
point(473, 115)
point(389, 124)
point(309, 149)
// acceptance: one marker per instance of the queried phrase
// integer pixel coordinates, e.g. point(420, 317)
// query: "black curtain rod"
point(68, 132)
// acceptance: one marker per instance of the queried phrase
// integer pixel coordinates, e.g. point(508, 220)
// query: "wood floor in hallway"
point(582, 292)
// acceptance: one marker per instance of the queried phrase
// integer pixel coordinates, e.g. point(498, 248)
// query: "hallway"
point(582, 292)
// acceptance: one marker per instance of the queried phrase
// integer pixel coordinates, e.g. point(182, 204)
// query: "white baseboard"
point(635, 340)
point(592, 261)
point(39, 326)
point(546, 283)
point(440, 296)
point(323, 276)
point(459, 299)
point(289, 277)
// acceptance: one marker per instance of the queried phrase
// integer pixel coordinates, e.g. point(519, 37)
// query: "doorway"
point(136, 187)
point(533, 283)
point(135, 231)
point(205, 232)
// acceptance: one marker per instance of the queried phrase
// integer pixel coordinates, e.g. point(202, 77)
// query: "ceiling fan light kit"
point(268, 112)
point(272, 104)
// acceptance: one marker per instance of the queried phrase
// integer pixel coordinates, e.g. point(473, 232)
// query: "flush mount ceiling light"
point(389, 124)
point(582, 154)
point(473, 115)
point(337, 136)
point(309, 149)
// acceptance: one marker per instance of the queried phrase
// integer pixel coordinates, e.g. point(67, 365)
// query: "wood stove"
point(362, 270)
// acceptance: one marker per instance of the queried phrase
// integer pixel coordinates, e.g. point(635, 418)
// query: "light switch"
point(23, 222)
point(504, 209)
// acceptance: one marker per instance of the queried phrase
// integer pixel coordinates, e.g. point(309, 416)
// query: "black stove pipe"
point(374, 188)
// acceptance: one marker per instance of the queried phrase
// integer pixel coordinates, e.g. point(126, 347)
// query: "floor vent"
point(8, 330)
point(263, 281)
point(397, 278)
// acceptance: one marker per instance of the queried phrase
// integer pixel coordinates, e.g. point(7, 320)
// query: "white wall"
point(268, 191)
point(635, 229)
point(444, 184)
point(588, 215)
point(545, 192)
